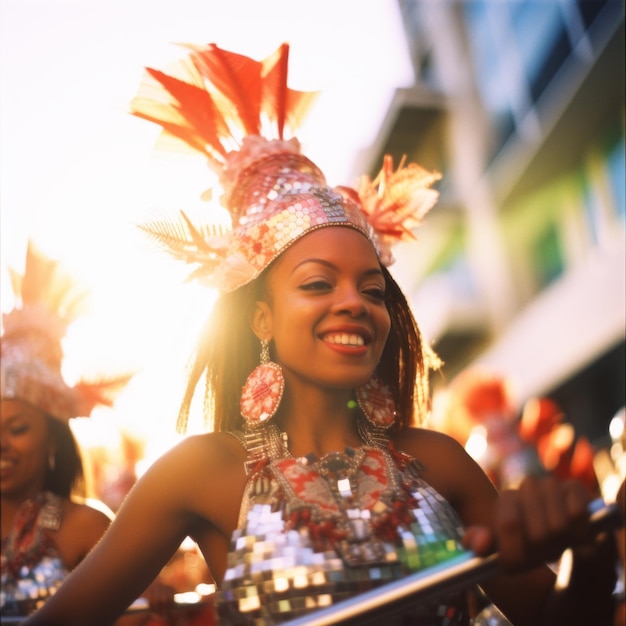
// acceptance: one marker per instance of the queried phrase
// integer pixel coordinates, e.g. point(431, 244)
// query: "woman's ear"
point(262, 320)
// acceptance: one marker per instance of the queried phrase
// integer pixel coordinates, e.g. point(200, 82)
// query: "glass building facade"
point(520, 103)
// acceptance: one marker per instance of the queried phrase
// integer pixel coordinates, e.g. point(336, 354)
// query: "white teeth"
point(346, 340)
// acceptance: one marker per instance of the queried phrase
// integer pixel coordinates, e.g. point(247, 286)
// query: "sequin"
point(333, 527)
point(31, 570)
point(281, 209)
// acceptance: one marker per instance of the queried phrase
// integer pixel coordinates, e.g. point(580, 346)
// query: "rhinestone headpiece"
point(49, 300)
point(273, 193)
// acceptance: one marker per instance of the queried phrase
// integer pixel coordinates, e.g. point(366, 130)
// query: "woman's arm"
point(166, 504)
point(528, 526)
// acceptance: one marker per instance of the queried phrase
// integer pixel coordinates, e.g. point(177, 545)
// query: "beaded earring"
point(263, 390)
point(377, 403)
point(379, 412)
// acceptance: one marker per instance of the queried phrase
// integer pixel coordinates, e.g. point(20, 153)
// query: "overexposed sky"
point(77, 171)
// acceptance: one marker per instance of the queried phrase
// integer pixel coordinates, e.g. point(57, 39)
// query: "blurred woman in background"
point(48, 525)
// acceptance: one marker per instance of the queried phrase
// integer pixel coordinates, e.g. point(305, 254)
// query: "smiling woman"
point(47, 528)
point(316, 482)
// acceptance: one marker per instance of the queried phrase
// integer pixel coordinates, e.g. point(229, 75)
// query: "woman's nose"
point(350, 300)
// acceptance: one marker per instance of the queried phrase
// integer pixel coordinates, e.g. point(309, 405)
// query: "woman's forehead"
point(14, 407)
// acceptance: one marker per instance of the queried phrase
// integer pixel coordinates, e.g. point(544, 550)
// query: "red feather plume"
point(237, 78)
point(220, 97)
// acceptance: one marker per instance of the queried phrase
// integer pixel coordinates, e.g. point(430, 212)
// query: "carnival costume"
point(49, 300)
point(311, 531)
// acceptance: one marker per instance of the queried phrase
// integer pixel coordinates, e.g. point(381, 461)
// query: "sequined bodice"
point(315, 531)
point(31, 569)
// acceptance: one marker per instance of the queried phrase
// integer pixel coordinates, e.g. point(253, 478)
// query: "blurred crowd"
point(479, 409)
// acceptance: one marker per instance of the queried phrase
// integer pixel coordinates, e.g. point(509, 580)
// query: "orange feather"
point(184, 110)
point(46, 283)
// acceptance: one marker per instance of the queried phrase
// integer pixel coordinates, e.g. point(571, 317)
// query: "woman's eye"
point(375, 292)
point(20, 429)
point(316, 285)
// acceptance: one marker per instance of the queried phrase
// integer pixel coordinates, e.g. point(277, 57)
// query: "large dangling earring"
point(377, 403)
point(263, 389)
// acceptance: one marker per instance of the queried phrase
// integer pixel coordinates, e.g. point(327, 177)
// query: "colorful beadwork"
point(313, 532)
point(376, 402)
point(262, 393)
point(31, 568)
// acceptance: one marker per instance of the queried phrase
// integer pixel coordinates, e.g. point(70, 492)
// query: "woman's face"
point(24, 448)
point(326, 312)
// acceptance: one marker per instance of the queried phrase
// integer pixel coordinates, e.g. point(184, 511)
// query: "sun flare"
point(79, 172)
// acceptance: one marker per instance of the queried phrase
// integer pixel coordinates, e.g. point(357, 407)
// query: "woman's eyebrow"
point(370, 272)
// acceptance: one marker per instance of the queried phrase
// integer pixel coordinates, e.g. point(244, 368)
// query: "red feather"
point(217, 97)
point(280, 104)
point(237, 78)
point(184, 110)
point(275, 87)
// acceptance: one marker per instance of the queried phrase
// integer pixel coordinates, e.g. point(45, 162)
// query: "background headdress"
point(48, 300)
point(238, 112)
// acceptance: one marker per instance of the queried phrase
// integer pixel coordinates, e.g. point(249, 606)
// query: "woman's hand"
point(160, 597)
point(535, 523)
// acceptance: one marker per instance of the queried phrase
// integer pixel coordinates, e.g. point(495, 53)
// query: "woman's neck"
point(319, 423)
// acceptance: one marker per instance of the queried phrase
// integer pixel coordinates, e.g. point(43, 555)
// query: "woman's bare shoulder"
point(426, 443)
point(447, 467)
point(439, 453)
point(88, 512)
point(208, 449)
point(198, 470)
point(83, 525)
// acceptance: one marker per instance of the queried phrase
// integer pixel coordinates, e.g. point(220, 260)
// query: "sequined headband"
point(274, 194)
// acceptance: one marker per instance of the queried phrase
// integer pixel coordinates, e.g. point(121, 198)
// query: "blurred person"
point(480, 412)
point(316, 482)
point(562, 452)
point(48, 525)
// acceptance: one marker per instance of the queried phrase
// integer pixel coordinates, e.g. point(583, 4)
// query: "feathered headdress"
point(48, 301)
point(237, 113)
